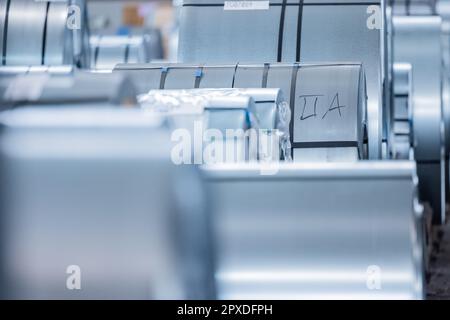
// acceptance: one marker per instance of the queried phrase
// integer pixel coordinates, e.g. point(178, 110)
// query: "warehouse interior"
point(225, 149)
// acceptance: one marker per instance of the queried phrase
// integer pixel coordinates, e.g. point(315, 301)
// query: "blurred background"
point(119, 17)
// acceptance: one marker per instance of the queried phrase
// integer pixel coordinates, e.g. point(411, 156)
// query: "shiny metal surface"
point(426, 61)
point(402, 134)
point(443, 9)
point(16, 70)
point(154, 39)
point(220, 126)
point(58, 89)
point(9, 74)
point(90, 183)
point(200, 28)
point(3, 17)
point(318, 94)
point(329, 32)
point(107, 51)
point(80, 37)
point(58, 40)
point(334, 154)
point(145, 76)
point(265, 103)
point(263, 112)
point(414, 7)
point(331, 115)
point(38, 33)
point(80, 191)
point(267, 107)
point(446, 83)
point(26, 22)
point(338, 29)
point(388, 63)
point(278, 238)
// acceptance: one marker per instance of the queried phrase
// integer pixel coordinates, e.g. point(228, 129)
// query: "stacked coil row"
point(311, 223)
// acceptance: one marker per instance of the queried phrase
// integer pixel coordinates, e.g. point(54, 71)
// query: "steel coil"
point(403, 133)
point(277, 237)
point(25, 32)
point(75, 171)
point(38, 33)
point(329, 86)
point(58, 43)
point(107, 51)
point(426, 61)
point(257, 119)
point(4, 8)
point(414, 7)
point(62, 87)
point(288, 31)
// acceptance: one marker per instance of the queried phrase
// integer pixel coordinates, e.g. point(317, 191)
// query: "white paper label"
point(246, 5)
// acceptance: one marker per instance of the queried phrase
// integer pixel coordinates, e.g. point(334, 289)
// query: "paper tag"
point(246, 5)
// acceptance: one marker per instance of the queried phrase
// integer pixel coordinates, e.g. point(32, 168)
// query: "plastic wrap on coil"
point(272, 121)
point(173, 102)
point(220, 129)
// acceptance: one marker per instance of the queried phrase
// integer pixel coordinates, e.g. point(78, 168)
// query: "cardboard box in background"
point(131, 16)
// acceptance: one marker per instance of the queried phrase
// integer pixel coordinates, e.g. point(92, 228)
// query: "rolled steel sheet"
point(333, 98)
point(218, 122)
point(443, 9)
point(26, 32)
point(306, 31)
point(41, 33)
point(276, 236)
point(85, 172)
point(8, 73)
point(329, 119)
point(403, 132)
point(266, 114)
point(446, 82)
point(388, 63)
point(267, 102)
point(145, 76)
point(426, 61)
point(59, 89)
point(135, 55)
point(4, 7)
point(16, 70)
point(154, 39)
point(80, 37)
point(58, 41)
point(107, 51)
point(414, 7)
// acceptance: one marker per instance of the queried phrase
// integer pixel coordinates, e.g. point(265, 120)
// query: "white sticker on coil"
point(246, 5)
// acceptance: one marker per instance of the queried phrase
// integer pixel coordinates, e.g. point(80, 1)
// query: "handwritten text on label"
point(310, 106)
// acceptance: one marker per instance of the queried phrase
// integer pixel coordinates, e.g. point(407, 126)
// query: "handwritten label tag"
point(246, 5)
